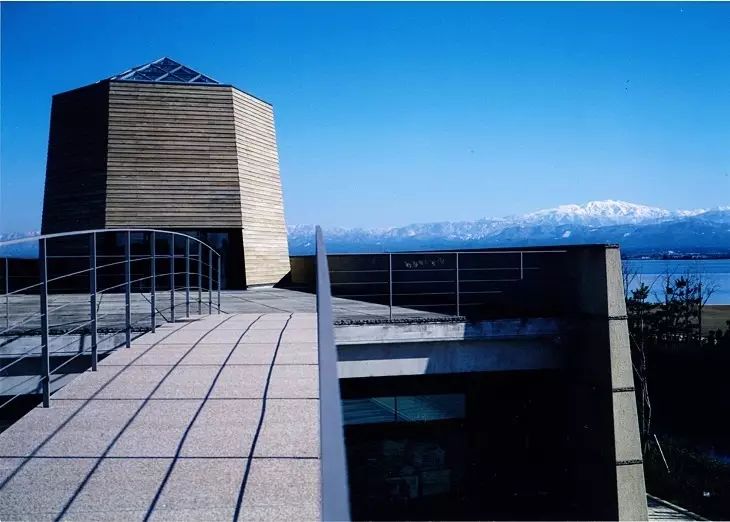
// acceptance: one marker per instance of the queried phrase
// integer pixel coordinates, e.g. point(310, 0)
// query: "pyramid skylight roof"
point(163, 70)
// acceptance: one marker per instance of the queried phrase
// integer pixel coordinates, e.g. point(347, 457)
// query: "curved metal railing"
point(67, 275)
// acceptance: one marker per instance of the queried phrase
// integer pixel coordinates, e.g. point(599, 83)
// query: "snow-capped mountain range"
point(638, 228)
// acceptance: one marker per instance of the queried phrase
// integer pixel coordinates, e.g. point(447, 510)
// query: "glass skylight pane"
point(165, 71)
point(204, 79)
point(172, 78)
point(141, 76)
point(154, 71)
point(167, 65)
point(186, 74)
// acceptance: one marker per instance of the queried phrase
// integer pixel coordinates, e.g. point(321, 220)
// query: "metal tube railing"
point(91, 327)
point(92, 298)
point(335, 503)
point(451, 275)
point(45, 360)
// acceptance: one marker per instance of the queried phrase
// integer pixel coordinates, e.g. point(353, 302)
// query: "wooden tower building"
point(163, 146)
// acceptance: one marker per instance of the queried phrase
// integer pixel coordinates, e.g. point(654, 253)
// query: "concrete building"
point(493, 384)
point(163, 146)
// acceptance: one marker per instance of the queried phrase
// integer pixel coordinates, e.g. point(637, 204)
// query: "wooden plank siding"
point(265, 246)
point(75, 187)
point(187, 157)
point(172, 157)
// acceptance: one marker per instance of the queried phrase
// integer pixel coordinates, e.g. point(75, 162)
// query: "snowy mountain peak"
point(598, 213)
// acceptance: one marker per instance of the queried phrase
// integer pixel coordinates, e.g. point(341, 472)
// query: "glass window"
point(403, 408)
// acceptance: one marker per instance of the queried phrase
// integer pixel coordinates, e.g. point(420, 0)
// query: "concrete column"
point(631, 488)
point(607, 428)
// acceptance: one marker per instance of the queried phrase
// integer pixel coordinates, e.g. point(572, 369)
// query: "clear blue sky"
point(390, 114)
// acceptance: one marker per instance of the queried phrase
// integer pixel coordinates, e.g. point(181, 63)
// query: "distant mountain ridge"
point(639, 229)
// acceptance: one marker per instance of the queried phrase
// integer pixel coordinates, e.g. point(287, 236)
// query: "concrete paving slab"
point(241, 382)
point(253, 353)
point(282, 489)
point(119, 486)
point(294, 382)
point(90, 384)
point(278, 439)
point(224, 428)
point(133, 382)
point(186, 335)
point(165, 355)
point(224, 336)
point(156, 430)
point(269, 324)
point(214, 354)
point(90, 429)
point(22, 497)
point(291, 335)
point(197, 487)
point(186, 382)
point(37, 426)
point(297, 353)
point(262, 336)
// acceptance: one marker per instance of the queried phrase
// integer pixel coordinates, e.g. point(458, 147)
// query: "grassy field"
point(714, 317)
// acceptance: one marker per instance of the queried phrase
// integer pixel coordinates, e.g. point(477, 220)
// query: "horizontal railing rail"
point(30, 308)
point(460, 283)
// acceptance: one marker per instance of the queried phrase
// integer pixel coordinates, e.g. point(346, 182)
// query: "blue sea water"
point(714, 272)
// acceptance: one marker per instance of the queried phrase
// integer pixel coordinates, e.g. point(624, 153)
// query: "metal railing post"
point(172, 277)
point(210, 281)
point(390, 287)
point(92, 299)
point(128, 291)
point(458, 308)
point(153, 281)
point(187, 277)
point(522, 267)
point(45, 374)
point(219, 283)
point(200, 278)
point(7, 292)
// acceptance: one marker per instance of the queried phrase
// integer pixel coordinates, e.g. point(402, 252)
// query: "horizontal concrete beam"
point(444, 357)
point(447, 331)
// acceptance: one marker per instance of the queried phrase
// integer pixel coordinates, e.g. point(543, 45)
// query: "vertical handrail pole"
point(92, 299)
point(210, 281)
point(128, 291)
point(153, 279)
point(7, 292)
point(200, 278)
point(458, 307)
point(219, 283)
point(187, 277)
point(172, 277)
point(390, 287)
point(45, 359)
point(522, 267)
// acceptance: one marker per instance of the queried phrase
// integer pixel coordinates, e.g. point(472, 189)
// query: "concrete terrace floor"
point(215, 418)
point(69, 310)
